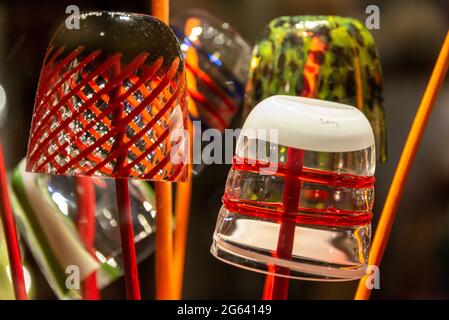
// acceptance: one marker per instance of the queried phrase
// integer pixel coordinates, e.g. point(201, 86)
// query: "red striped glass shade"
point(110, 100)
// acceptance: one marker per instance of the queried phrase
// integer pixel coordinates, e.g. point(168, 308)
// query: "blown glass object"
point(323, 57)
point(292, 210)
point(110, 94)
point(47, 207)
point(217, 60)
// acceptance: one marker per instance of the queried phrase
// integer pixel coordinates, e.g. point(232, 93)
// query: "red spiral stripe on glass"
point(122, 123)
point(204, 78)
point(66, 77)
point(207, 106)
point(307, 175)
point(146, 76)
point(218, 115)
point(304, 215)
point(267, 210)
point(45, 121)
point(72, 128)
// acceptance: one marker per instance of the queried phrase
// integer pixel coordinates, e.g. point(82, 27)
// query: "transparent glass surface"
point(217, 60)
point(358, 163)
point(319, 253)
point(48, 214)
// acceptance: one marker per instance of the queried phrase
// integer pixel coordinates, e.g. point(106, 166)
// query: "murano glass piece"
point(217, 60)
point(323, 57)
point(48, 210)
point(298, 199)
point(110, 94)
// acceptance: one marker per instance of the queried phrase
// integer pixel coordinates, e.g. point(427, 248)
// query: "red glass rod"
point(9, 228)
point(276, 287)
point(85, 191)
point(124, 206)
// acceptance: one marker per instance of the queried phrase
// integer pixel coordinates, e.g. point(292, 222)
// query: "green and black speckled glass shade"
point(324, 57)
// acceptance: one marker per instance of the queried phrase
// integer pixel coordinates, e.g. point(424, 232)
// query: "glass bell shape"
point(110, 95)
point(322, 57)
point(298, 199)
point(217, 60)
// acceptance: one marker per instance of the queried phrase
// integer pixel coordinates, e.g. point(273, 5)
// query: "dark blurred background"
point(411, 32)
